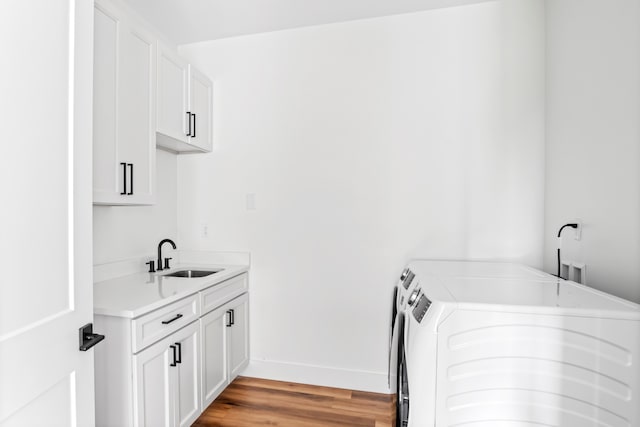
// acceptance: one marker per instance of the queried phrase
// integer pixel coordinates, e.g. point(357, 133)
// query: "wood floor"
point(249, 402)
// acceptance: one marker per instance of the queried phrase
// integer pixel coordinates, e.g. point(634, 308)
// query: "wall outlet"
point(205, 230)
point(579, 273)
point(574, 271)
point(578, 231)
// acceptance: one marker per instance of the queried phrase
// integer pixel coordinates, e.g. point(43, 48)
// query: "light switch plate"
point(251, 201)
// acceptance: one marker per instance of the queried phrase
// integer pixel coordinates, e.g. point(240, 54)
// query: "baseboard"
point(375, 382)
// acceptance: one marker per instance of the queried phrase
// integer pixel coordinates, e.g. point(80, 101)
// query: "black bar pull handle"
point(124, 179)
point(233, 316)
point(189, 121)
point(166, 322)
point(194, 125)
point(173, 347)
point(229, 319)
point(130, 180)
point(179, 359)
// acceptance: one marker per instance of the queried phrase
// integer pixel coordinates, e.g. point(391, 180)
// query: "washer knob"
point(404, 274)
point(413, 297)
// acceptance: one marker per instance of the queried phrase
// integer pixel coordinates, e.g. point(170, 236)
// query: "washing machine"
point(505, 345)
point(397, 362)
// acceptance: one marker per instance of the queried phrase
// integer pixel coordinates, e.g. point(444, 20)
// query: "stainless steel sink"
point(192, 273)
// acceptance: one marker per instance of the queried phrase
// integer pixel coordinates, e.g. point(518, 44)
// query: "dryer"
point(504, 345)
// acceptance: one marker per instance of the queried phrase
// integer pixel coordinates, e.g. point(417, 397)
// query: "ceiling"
point(189, 21)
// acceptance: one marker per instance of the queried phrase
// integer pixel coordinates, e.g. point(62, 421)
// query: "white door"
point(201, 106)
point(45, 218)
point(214, 354)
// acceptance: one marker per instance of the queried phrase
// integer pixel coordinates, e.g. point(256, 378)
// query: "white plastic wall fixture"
point(579, 273)
point(565, 269)
point(574, 271)
point(578, 231)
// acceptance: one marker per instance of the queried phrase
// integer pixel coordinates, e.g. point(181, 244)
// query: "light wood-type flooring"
point(249, 402)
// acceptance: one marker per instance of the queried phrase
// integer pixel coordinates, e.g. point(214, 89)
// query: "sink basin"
point(192, 273)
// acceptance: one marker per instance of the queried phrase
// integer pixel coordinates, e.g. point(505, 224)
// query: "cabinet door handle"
point(173, 347)
point(179, 359)
point(233, 317)
point(124, 178)
point(130, 180)
point(194, 125)
point(166, 322)
point(189, 123)
point(229, 319)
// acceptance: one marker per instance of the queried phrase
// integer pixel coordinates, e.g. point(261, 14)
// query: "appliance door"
point(398, 371)
point(402, 387)
point(393, 342)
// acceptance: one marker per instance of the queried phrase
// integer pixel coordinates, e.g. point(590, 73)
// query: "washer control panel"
point(408, 279)
point(413, 297)
point(421, 308)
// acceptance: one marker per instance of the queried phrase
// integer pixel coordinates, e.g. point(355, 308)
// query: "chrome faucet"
point(166, 264)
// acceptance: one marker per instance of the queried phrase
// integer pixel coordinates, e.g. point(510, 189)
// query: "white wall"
point(593, 139)
point(366, 143)
point(121, 232)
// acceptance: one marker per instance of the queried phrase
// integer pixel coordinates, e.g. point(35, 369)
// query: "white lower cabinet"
point(238, 335)
point(225, 346)
point(167, 380)
point(163, 368)
point(215, 375)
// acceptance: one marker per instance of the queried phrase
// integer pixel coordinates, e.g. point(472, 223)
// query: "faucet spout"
point(162, 242)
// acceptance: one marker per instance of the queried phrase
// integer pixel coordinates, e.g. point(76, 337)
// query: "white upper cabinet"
point(124, 109)
point(185, 112)
point(173, 76)
point(201, 109)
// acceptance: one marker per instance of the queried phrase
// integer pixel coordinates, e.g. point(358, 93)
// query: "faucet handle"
point(166, 263)
point(152, 266)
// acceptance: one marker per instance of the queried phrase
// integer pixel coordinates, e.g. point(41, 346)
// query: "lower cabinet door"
point(213, 327)
point(167, 380)
point(152, 393)
point(239, 335)
point(187, 385)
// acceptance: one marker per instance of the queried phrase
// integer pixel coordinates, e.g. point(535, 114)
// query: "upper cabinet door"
point(201, 109)
point(184, 109)
point(173, 119)
point(136, 114)
point(124, 109)
point(105, 76)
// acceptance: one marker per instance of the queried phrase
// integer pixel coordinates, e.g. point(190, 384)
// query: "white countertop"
point(137, 294)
